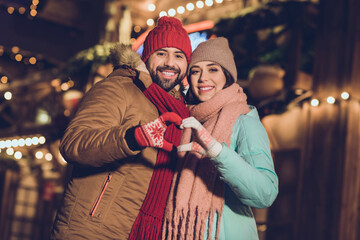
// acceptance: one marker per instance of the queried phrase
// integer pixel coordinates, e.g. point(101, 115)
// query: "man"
point(122, 157)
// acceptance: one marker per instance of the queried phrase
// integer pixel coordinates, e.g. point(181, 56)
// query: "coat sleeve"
point(248, 169)
point(96, 135)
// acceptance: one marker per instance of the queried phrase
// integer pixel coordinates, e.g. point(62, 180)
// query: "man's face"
point(167, 67)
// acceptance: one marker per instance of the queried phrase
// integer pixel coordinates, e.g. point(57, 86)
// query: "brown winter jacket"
point(110, 180)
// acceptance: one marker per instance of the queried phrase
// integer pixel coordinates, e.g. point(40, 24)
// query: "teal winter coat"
point(247, 168)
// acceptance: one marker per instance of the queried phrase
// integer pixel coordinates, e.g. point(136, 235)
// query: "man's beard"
point(166, 84)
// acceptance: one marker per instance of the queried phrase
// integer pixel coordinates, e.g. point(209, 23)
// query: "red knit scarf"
point(149, 221)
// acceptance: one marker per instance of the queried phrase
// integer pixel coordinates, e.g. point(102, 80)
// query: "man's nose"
point(170, 61)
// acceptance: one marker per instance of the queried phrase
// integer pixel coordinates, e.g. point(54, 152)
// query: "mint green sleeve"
point(246, 166)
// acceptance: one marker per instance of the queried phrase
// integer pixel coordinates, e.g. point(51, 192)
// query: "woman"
point(228, 168)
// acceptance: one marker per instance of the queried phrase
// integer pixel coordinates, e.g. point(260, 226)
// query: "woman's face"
point(207, 78)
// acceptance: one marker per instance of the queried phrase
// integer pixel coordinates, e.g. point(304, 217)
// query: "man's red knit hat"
point(169, 32)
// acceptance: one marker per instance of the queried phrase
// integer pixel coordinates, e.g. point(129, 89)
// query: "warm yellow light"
point(32, 60)
point(11, 10)
point(4, 79)
point(171, 12)
point(150, 22)
point(65, 87)
point(8, 95)
point(330, 100)
point(190, 6)
point(200, 4)
point(15, 49)
point(21, 10)
point(55, 82)
point(151, 7)
point(162, 13)
point(180, 10)
point(35, 2)
point(345, 95)
point(137, 29)
point(33, 12)
point(314, 102)
point(18, 57)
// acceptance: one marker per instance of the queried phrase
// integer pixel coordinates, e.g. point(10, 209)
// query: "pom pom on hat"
point(169, 32)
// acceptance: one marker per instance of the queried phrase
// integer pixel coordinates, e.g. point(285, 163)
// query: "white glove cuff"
point(215, 150)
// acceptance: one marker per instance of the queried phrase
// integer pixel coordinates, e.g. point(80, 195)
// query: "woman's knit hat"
point(215, 50)
point(169, 32)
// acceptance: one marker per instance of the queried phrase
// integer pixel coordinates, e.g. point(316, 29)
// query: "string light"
point(315, 102)
point(200, 4)
point(151, 7)
point(345, 95)
point(17, 155)
point(190, 6)
point(21, 142)
point(4, 79)
point(162, 13)
point(8, 95)
point(180, 10)
point(171, 12)
point(330, 99)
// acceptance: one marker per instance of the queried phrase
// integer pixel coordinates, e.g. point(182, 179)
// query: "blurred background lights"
point(8, 143)
point(181, 10)
point(171, 12)
point(200, 4)
point(10, 151)
point(18, 155)
point(18, 57)
point(15, 143)
point(39, 154)
point(190, 6)
point(48, 156)
point(345, 95)
point(314, 102)
point(28, 141)
point(162, 13)
point(42, 140)
point(8, 95)
point(32, 60)
point(151, 7)
point(11, 10)
point(21, 142)
point(2, 144)
point(137, 29)
point(35, 140)
point(4, 79)
point(218, 1)
point(330, 100)
point(150, 22)
point(21, 10)
point(209, 3)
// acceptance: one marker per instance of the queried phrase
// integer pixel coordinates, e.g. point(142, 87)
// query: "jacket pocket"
point(98, 199)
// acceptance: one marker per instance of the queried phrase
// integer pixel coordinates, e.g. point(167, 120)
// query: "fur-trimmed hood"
point(122, 54)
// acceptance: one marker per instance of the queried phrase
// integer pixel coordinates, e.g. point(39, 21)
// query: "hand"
point(193, 146)
point(203, 137)
point(152, 133)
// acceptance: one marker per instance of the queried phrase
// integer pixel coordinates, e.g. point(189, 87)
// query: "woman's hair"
point(190, 96)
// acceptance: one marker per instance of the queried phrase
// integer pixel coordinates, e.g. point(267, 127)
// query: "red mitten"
point(152, 133)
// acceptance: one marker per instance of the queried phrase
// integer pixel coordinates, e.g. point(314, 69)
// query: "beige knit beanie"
point(215, 50)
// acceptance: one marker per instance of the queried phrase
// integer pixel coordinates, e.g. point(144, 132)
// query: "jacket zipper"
point(97, 202)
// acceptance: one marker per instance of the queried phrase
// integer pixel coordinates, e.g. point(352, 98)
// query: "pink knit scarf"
point(197, 192)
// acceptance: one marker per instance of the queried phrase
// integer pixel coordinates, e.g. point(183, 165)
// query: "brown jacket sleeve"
point(96, 135)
